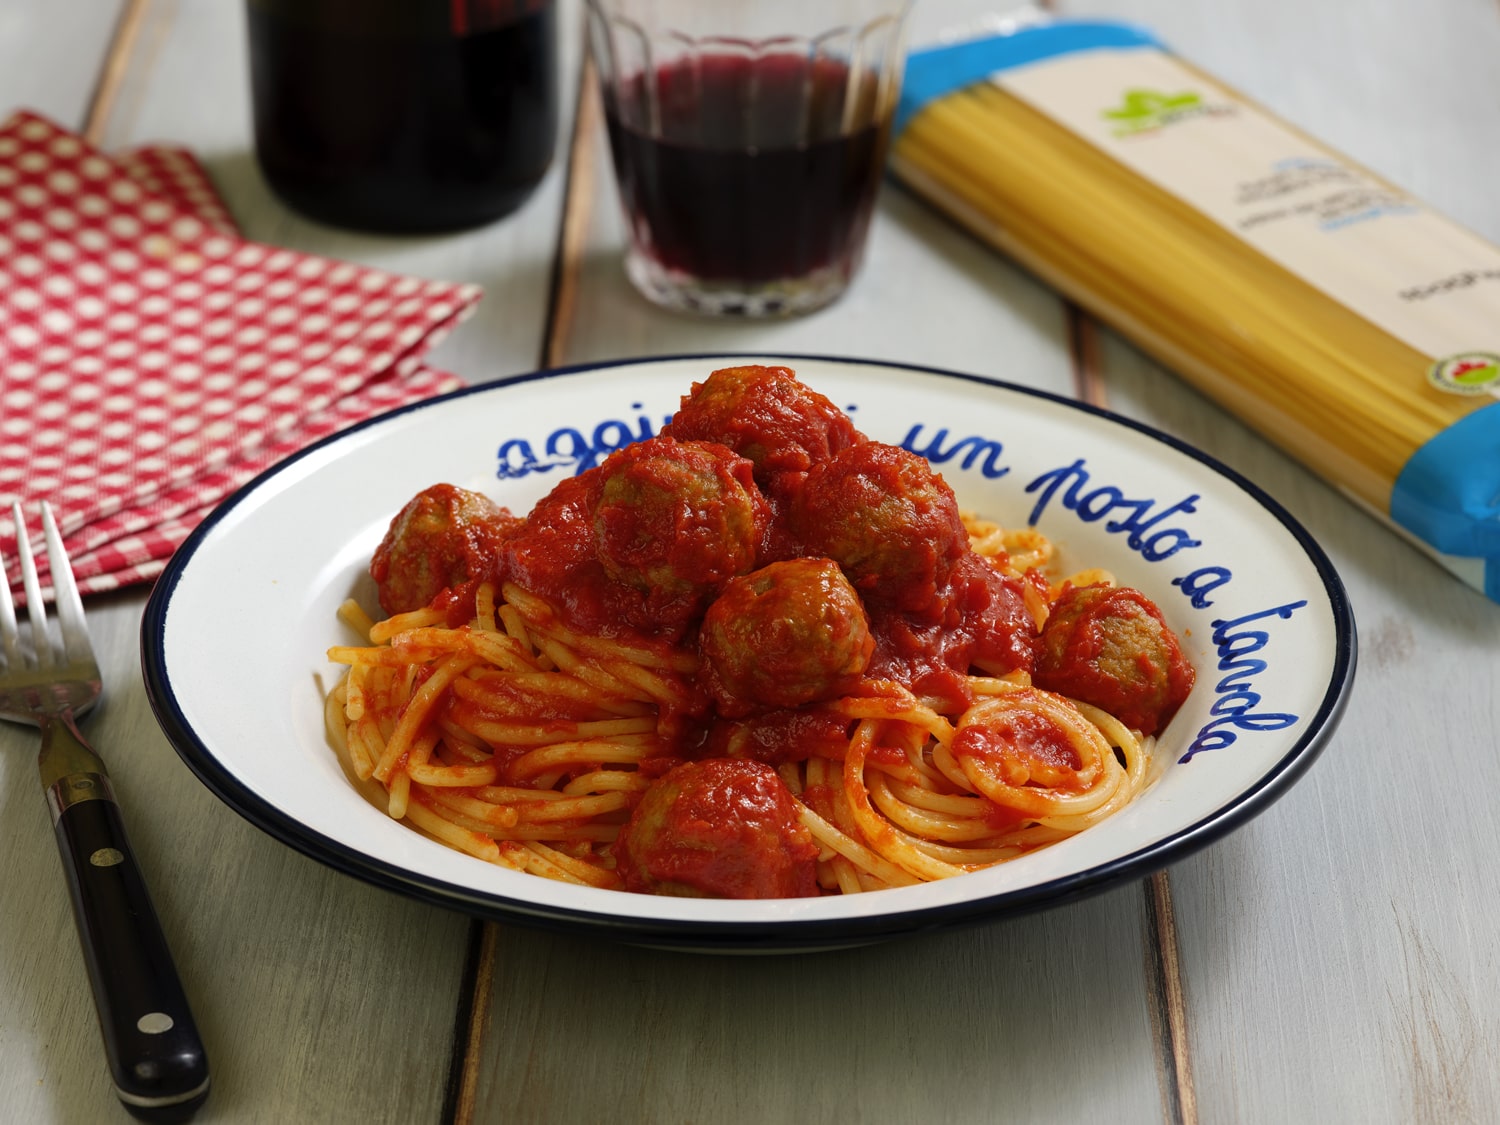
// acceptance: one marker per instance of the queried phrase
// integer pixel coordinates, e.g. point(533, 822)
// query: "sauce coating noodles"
point(759, 655)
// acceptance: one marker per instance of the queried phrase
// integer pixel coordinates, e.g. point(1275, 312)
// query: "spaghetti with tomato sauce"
point(756, 656)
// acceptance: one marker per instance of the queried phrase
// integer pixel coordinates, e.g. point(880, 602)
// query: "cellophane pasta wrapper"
point(1341, 317)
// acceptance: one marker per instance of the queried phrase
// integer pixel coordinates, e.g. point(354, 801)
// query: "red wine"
point(747, 174)
point(394, 115)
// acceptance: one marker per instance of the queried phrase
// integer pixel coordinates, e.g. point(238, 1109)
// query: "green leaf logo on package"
point(1145, 111)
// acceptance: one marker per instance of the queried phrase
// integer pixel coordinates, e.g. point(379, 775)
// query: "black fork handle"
point(156, 1056)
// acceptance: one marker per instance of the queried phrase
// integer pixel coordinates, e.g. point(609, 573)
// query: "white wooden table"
point(1335, 960)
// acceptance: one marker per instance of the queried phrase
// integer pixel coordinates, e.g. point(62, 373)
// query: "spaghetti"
point(1347, 322)
point(844, 686)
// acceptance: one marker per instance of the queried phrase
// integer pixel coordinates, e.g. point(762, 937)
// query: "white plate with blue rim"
point(235, 632)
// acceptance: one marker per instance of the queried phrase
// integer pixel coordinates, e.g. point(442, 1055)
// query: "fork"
point(156, 1057)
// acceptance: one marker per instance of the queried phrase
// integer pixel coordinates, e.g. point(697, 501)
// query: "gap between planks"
point(1163, 968)
point(112, 72)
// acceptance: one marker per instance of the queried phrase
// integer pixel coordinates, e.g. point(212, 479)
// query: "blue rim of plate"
point(793, 935)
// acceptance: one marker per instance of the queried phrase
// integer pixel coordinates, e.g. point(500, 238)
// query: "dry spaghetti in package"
point(1344, 319)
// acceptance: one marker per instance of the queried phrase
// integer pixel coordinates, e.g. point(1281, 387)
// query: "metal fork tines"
point(156, 1058)
point(46, 683)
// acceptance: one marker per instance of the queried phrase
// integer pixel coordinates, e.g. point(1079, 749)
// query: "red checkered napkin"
point(134, 545)
point(151, 360)
point(174, 174)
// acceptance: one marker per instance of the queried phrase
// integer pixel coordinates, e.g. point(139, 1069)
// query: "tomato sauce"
point(780, 736)
point(979, 619)
point(936, 611)
point(796, 562)
point(1022, 748)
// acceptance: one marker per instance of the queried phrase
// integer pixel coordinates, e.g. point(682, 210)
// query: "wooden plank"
point(957, 1027)
point(1037, 1020)
point(391, 1003)
point(512, 259)
point(1337, 952)
point(581, 171)
point(51, 1057)
point(320, 998)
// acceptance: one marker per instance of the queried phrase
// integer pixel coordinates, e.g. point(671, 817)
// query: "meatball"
point(444, 537)
point(1111, 647)
point(790, 633)
point(718, 828)
point(883, 515)
point(677, 518)
point(768, 416)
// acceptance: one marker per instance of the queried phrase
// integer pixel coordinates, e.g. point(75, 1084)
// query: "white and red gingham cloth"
point(152, 360)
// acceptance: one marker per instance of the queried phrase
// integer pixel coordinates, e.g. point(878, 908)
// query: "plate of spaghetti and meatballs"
point(749, 653)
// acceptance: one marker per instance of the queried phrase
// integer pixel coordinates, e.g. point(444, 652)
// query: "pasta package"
point(1341, 317)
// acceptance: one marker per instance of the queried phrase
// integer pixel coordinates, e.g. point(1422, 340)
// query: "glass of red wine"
point(749, 142)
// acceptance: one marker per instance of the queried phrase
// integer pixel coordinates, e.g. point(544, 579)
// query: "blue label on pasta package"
point(1448, 493)
point(933, 73)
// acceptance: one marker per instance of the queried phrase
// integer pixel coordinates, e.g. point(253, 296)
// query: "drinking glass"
point(749, 142)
